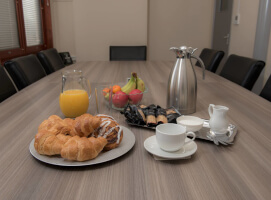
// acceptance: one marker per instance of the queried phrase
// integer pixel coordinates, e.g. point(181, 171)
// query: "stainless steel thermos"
point(182, 82)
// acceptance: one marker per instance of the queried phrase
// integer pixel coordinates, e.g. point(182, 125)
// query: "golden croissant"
point(82, 148)
point(72, 148)
point(55, 125)
point(47, 143)
point(85, 125)
point(79, 139)
point(82, 126)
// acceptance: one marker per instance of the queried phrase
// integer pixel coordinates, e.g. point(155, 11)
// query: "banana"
point(107, 96)
point(140, 84)
point(131, 85)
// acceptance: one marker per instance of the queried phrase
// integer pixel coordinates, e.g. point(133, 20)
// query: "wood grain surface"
point(238, 171)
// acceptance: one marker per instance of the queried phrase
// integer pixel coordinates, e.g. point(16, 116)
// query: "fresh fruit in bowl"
point(120, 99)
point(140, 85)
point(106, 91)
point(131, 92)
point(135, 96)
point(116, 88)
point(131, 85)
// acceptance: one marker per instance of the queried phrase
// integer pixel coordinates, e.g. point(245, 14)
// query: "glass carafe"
point(75, 93)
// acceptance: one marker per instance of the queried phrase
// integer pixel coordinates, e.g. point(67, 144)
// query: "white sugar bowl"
point(191, 123)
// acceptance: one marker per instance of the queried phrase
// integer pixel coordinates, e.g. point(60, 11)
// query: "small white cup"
point(191, 123)
point(171, 137)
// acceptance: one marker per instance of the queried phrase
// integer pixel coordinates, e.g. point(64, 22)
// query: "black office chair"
point(66, 58)
point(242, 70)
point(7, 88)
point(211, 59)
point(50, 60)
point(266, 91)
point(119, 53)
point(25, 70)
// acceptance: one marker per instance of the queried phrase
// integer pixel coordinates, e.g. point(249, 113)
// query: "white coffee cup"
point(171, 137)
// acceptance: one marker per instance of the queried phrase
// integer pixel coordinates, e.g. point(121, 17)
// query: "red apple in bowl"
point(135, 96)
point(120, 99)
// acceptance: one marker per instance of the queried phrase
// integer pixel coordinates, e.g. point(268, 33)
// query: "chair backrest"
point(211, 59)
point(25, 70)
point(119, 53)
point(50, 60)
point(266, 91)
point(6, 86)
point(242, 70)
point(66, 58)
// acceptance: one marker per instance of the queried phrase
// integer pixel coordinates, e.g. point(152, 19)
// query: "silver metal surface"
point(182, 82)
point(224, 139)
point(205, 134)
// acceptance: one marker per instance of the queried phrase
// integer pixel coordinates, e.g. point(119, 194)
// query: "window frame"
point(46, 23)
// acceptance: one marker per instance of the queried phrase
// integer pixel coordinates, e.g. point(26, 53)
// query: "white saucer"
point(152, 147)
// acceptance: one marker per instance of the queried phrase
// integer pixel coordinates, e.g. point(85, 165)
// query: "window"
point(25, 27)
point(9, 38)
point(32, 22)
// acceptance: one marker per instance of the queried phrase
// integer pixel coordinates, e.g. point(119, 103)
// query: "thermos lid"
point(182, 51)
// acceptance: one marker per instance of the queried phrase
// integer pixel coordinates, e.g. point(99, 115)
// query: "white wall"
point(97, 24)
point(175, 23)
point(63, 26)
point(86, 28)
point(243, 34)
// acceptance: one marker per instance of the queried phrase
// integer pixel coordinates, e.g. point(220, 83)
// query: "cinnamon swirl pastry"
point(109, 129)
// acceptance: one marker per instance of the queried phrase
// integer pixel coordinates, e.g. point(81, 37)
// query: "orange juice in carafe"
point(74, 103)
point(75, 93)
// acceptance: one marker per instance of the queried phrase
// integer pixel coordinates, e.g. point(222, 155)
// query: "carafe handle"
point(87, 86)
point(201, 64)
point(211, 109)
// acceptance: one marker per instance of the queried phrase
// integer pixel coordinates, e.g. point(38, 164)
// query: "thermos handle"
point(201, 64)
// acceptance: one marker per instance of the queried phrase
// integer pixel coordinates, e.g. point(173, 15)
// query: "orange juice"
point(73, 103)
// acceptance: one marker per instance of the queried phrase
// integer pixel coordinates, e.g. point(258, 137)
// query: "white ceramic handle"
point(210, 109)
point(192, 134)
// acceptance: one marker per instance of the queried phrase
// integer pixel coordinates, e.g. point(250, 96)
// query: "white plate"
point(152, 147)
point(127, 143)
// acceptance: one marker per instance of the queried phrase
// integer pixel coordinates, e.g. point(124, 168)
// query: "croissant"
point(54, 124)
point(82, 148)
point(47, 143)
point(70, 125)
point(84, 125)
point(63, 138)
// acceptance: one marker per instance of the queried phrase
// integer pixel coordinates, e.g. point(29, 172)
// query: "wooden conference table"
point(238, 171)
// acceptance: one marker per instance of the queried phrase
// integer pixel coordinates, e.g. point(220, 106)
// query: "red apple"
point(120, 99)
point(135, 96)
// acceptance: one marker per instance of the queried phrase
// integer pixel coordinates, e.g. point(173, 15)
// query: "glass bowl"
point(120, 99)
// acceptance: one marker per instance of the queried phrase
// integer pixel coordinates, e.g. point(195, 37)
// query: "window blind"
point(32, 22)
point(9, 38)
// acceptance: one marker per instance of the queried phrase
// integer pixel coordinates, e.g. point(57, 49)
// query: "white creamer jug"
point(218, 118)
